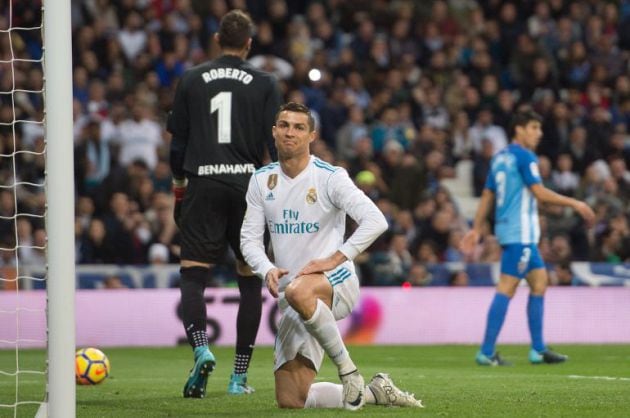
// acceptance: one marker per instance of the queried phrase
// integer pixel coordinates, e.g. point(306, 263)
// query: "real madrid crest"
point(311, 196)
point(272, 180)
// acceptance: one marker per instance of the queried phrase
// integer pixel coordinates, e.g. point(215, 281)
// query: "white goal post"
point(60, 211)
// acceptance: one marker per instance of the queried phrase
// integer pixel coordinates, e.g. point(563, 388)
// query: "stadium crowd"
point(403, 92)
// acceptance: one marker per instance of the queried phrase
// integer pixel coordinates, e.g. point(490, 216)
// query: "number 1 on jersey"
point(222, 103)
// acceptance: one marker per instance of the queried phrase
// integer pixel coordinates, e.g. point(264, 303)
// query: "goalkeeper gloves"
point(179, 190)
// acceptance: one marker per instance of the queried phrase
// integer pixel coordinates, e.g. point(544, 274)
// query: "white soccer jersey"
point(306, 217)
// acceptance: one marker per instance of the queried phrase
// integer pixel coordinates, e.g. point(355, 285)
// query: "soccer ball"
point(91, 366)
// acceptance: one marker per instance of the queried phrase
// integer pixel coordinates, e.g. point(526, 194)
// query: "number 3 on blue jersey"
point(499, 179)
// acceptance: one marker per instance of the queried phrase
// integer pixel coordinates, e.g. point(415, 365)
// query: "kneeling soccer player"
point(304, 201)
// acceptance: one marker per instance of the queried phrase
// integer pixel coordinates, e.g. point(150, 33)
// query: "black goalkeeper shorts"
point(211, 217)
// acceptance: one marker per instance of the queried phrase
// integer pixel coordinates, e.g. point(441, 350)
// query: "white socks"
point(324, 395)
point(330, 395)
point(323, 327)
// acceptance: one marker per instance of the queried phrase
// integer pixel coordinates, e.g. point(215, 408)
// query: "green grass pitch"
point(148, 382)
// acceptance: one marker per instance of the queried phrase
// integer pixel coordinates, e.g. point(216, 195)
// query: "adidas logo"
point(270, 196)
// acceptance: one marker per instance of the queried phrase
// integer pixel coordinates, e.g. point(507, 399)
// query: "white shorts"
point(293, 338)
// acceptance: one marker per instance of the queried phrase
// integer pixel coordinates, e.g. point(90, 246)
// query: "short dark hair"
point(522, 118)
point(299, 108)
point(235, 29)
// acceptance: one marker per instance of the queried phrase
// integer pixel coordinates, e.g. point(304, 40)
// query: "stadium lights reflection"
point(314, 75)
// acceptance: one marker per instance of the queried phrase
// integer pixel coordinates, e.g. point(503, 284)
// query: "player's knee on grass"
point(293, 380)
point(290, 390)
point(290, 401)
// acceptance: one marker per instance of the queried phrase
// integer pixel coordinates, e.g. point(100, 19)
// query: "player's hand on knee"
point(315, 266)
point(322, 264)
point(272, 280)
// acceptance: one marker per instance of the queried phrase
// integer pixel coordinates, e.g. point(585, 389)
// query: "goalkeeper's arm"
point(177, 154)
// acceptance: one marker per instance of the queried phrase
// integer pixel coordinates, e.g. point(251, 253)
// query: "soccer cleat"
point(238, 385)
point(204, 365)
point(386, 393)
point(494, 360)
point(547, 356)
point(353, 390)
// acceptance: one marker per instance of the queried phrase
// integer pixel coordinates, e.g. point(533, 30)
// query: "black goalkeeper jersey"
point(221, 120)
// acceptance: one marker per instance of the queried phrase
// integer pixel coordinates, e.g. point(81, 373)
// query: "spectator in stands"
point(399, 256)
point(607, 246)
point(485, 129)
point(8, 258)
point(582, 153)
point(458, 278)
point(162, 224)
point(7, 210)
point(32, 244)
point(388, 128)
point(334, 113)
point(621, 175)
point(560, 250)
point(617, 144)
point(92, 248)
point(92, 157)
point(490, 250)
point(113, 282)
point(120, 223)
point(561, 274)
point(120, 179)
point(620, 222)
point(419, 275)
point(350, 132)
point(427, 252)
point(544, 165)
point(481, 166)
point(433, 111)
point(469, 60)
point(404, 224)
point(132, 37)
point(435, 169)
point(140, 137)
point(408, 183)
point(363, 158)
point(565, 181)
point(84, 212)
point(462, 144)
point(158, 254)
point(557, 130)
point(391, 160)
point(452, 253)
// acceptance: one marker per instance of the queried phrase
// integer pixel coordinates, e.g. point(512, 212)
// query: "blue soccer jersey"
point(512, 171)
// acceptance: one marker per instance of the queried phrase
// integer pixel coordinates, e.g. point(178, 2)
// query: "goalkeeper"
point(221, 122)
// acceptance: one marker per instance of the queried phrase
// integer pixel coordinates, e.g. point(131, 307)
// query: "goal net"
point(35, 367)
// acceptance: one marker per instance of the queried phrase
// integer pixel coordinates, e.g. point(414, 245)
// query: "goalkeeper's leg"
point(193, 283)
point(247, 323)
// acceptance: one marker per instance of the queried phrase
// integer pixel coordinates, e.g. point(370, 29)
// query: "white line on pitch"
point(576, 376)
